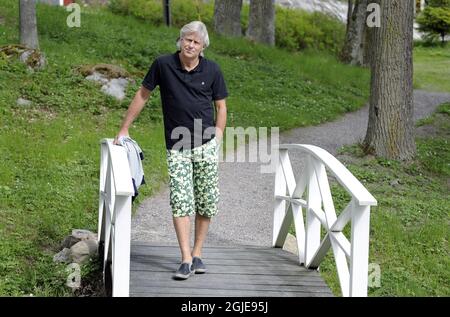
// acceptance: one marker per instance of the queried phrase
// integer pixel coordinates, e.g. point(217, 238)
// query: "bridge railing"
point(114, 217)
point(312, 192)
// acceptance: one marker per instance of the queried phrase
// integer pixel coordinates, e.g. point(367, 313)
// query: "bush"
point(435, 19)
point(294, 29)
point(152, 11)
point(297, 30)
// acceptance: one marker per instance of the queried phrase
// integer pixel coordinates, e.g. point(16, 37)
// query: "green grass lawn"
point(432, 68)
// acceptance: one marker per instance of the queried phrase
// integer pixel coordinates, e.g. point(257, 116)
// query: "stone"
point(23, 102)
point(69, 241)
point(83, 234)
point(62, 256)
point(290, 244)
point(116, 88)
point(82, 251)
point(97, 77)
point(113, 78)
point(33, 58)
point(77, 236)
point(107, 70)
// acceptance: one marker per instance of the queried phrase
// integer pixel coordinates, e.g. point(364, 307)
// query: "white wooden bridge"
point(142, 269)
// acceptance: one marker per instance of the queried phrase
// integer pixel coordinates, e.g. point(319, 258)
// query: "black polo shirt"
point(185, 97)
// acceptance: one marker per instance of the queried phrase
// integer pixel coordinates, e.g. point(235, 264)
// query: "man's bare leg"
point(183, 230)
point(201, 230)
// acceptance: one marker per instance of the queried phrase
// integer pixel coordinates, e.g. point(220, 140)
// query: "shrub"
point(152, 11)
point(435, 19)
point(297, 30)
point(294, 29)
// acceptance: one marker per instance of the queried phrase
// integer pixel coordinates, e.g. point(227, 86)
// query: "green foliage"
point(435, 20)
point(439, 3)
point(294, 29)
point(182, 11)
point(298, 30)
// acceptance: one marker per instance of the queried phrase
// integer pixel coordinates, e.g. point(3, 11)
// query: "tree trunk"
point(227, 17)
point(166, 13)
point(366, 45)
point(349, 14)
point(261, 25)
point(27, 24)
point(353, 50)
point(390, 127)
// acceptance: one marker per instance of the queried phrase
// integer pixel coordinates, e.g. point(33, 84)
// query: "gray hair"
point(194, 27)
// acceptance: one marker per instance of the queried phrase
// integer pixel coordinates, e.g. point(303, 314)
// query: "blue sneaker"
point(183, 272)
point(197, 265)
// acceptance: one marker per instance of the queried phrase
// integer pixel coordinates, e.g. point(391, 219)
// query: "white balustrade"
point(114, 217)
point(311, 193)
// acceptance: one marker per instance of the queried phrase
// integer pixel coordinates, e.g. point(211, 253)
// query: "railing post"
point(312, 223)
point(114, 227)
point(359, 265)
point(280, 205)
point(101, 198)
point(121, 247)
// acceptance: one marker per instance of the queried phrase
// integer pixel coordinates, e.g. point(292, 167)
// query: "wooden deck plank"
point(141, 278)
point(249, 271)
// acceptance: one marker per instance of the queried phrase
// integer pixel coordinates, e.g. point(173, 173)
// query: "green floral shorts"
point(193, 180)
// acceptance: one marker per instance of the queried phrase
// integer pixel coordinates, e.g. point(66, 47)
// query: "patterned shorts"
point(193, 180)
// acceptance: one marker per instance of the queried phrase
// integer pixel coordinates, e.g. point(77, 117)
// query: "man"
point(189, 83)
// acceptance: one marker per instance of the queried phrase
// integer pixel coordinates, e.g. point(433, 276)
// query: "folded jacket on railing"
point(135, 157)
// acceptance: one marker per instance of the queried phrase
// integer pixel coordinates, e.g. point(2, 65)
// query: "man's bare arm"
point(221, 120)
point(133, 111)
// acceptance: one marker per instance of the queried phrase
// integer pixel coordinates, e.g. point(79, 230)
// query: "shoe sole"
point(181, 276)
point(200, 271)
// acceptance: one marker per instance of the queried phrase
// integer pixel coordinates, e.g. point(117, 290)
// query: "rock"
point(83, 234)
point(116, 88)
point(290, 244)
point(23, 102)
point(395, 182)
point(63, 256)
point(113, 78)
point(33, 58)
point(69, 241)
point(81, 251)
point(107, 70)
point(97, 77)
point(77, 236)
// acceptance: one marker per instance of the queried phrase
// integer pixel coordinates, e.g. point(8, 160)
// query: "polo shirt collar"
point(198, 68)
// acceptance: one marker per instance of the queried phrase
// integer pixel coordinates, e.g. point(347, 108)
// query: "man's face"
point(191, 45)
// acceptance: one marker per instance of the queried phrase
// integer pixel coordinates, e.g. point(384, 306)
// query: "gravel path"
point(245, 208)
